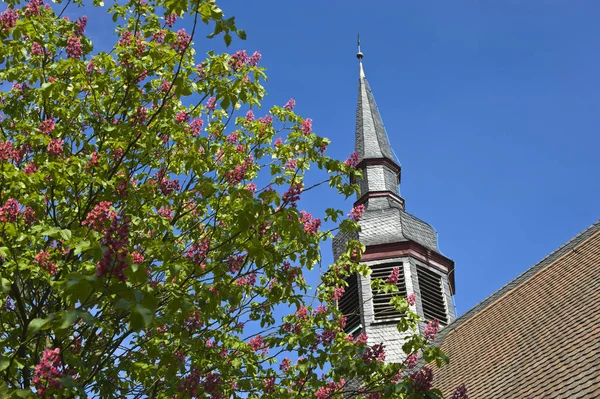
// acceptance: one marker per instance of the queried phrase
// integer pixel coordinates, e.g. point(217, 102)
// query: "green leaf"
point(5, 283)
point(141, 317)
point(69, 318)
point(81, 246)
point(23, 393)
point(51, 232)
point(65, 234)
point(241, 34)
point(36, 325)
point(80, 288)
point(227, 38)
point(4, 363)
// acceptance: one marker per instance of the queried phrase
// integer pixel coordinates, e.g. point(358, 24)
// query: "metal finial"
point(359, 55)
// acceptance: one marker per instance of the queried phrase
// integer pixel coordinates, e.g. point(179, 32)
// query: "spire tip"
point(359, 55)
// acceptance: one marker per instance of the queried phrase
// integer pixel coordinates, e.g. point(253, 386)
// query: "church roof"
point(538, 336)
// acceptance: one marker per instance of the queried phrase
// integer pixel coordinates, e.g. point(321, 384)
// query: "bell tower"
point(393, 238)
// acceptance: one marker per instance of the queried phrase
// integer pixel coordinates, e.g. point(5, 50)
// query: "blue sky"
point(493, 108)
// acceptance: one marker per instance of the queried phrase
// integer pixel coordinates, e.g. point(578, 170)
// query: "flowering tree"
point(150, 230)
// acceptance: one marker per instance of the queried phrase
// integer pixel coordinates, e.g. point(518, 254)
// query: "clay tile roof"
point(537, 337)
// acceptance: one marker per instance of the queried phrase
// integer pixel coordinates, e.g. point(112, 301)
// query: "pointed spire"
point(371, 139)
point(360, 56)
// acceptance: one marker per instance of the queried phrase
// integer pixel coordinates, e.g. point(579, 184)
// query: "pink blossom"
point(170, 19)
point(196, 126)
point(338, 293)
point(95, 158)
point(80, 25)
point(194, 321)
point(137, 257)
point(245, 281)
point(267, 120)
point(36, 49)
point(290, 104)
point(159, 36)
point(115, 241)
point(140, 116)
point(182, 42)
point(285, 364)
point(166, 212)
point(6, 151)
point(29, 215)
point(432, 329)
point(249, 116)
point(165, 86)
point(422, 379)
point(291, 164)
point(394, 276)
point(357, 212)
point(33, 7)
point(307, 126)
point(210, 104)
point(311, 226)
point(411, 299)
point(142, 76)
point(74, 47)
point(167, 186)
point(238, 60)
point(97, 217)
point(269, 384)
point(353, 160)
point(48, 371)
point(239, 172)
point(460, 392)
point(197, 252)
point(374, 353)
point(8, 19)
point(9, 211)
point(411, 360)
point(329, 391)
point(302, 313)
point(321, 309)
point(258, 343)
point(362, 339)
point(292, 195)
point(233, 138)
point(182, 117)
point(278, 142)
point(235, 263)
point(47, 126)
point(42, 259)
point(254, 58)
point(55, 146)
point(190, 383)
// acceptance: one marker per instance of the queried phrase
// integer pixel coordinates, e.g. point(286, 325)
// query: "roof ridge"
point(514, 283)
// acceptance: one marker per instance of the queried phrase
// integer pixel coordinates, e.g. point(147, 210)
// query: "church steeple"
point(393, 239)
point(382, 170)
point(371, 139)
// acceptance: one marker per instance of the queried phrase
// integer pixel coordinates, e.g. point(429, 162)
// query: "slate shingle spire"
point(382, 170)
point(371, 138)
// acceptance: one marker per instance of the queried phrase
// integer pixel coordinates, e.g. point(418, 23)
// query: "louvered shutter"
point(349, 304)
point(381, 301)
point(432, 295)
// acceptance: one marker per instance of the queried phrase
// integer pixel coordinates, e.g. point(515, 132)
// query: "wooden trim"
point(378, 194)
point(414, 250)
point(380, 161)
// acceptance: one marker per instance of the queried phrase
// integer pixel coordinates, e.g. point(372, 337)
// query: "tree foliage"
point(151, 240)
